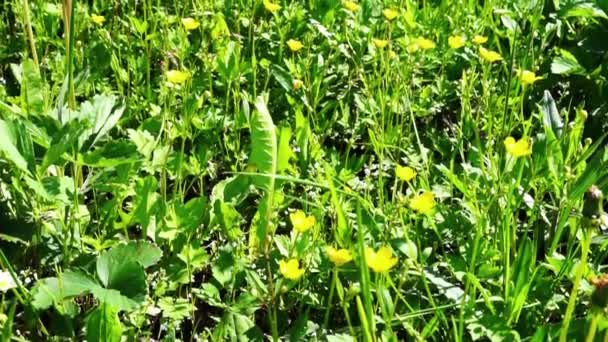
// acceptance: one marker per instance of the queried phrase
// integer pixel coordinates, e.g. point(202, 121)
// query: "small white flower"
point(6, 281)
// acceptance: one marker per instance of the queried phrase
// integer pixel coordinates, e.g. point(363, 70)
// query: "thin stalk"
point(30, 33)
point(585, 246)
point(334, 279)
point(592, 327)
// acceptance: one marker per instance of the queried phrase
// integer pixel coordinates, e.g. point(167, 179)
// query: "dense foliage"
point(303, 170)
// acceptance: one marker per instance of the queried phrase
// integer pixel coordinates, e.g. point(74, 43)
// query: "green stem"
point(592, 327)
point(30, 32)
point(586, 243)
point(334, 279)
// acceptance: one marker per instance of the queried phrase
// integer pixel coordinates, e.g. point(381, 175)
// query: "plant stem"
point(592, 328)
point(30, 32)
point(334, 279)
point(586, 243)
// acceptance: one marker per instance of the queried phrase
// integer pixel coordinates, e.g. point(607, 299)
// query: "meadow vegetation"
point(250, 170)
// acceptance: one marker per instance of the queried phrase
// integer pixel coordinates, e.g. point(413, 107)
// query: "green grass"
point(150, 170)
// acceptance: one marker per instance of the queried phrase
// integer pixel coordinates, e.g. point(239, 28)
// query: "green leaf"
point(566, 64)
point(593, 172)
point(146, 201)
point(122, 268)
point(551, 115)
point(233, 327)
point(8, 145)
point(263, 145)
point(583, 9)
point(32, 87)
point(176, 309)
point(284, 149)
point(49, 291)
point(103, 325)
point(103, 112)
point(65, 140)
point(114, 298)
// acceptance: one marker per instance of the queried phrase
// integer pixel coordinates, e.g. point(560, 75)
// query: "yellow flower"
point(295, 45)
point(392, 54)
point(301, 222)
point(380, 43)
point(424, 43)
point(405, 173)
point(350, 5)
point(528, 77)
point(297, 84)
point(423, 203)
point(98, 19)
point(177, 76)
point(390, 14)
point(338, 256)
point(380, 261)
point(456, 42)
point(519, 148)
point(270, 7)
point(290, 269)
point(190, 24)
point(413, 47)
point(480, 39)
point(489, 55)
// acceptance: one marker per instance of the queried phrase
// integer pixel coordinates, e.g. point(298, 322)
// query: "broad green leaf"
point(114, 298)
point(233, 327)
point(263, 145)
point(144, 141)
point(49, 291)
point(584, 9)
point(111, 154)
point(342, 233)
point(566, 64)
point(146, 201)
point(8, 146)
point(122, 268)
point(103, 112)
point(176, 309)
point(103, 325)
point(32, 88)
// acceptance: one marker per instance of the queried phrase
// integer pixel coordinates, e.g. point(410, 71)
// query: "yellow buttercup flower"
point(295, 45)
point(489, 55)
point(423, 203)
point(392, 54)
point(390, 14)
point(338, 257)
point(456, 42)
point(424, 43)
point(413, 47)
point(290, 269)
point(528, 77)
point(519, 148)
point(98, 19)
point(297, 84)
point(350, 5)
point(190, 24)
point(405, 173)
point(177, 76)
point(380, 43)
point(480, 39)
point(301, 222)
point(271, 7)
point(380, 261)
